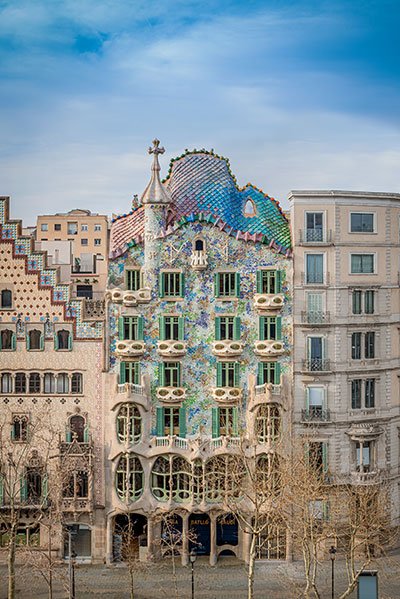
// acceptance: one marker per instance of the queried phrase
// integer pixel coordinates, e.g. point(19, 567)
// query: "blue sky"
point(298, 94)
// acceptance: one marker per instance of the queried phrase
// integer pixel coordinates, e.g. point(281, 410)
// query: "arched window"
point(20, 382)
point(6, 298)
point(49, 383)
point(160, 479)
point(62, 382)
point(33, 484)
point(268, 423)
point(129, 478)
point(63, 339)
point(77, 428)
point(129, 424)
point(223, 476)
point(249, 209)
point(35, 339)
point(199, 245)
point(34, 382)
point(76, 383)
point(181, 472)
point(6, 382)
point(7, 339)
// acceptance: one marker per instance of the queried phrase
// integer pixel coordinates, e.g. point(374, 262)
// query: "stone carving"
point(268, 301)
point(227, 348)
point(268, 348)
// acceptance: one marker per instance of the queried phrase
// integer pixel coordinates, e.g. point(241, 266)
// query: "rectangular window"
point(370, 345)
point(315, 268)
point(226, 284)
point(362, 264)
point(356, 394)
point(317, 456)
point(170, 374)
point(97, 242)
point(269, 372)
point(133, 279)
point(357, 297)
point(97, 227)
point(44, 227)
point(84, 241)
point(171, 284)
point(227, 374)
point(269, 281)
point(131, 327)
point(72, 228)
point(171, 421)
point(227, 422)
point(19, 431)
point(361, 222)
point(172, 328)
point(57, 227)
point(129, 373)
point(84, 227)
point(356, 346)
point(315, 400)
point(369, 393)
point(363, 456)
point(270, 328)
point(314, 226)
point(369, 302)
point(227, 328)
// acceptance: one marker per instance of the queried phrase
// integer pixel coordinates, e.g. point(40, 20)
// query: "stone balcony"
point(171, 348)
point(227, 394)
point(129, 298)
point(266, 393)
point(126, 348)
point(77, 504)
point(269, 348)
point(265, 302)
point(227, 348)
point(225, 442)
point(366, 478)
point(130, 389)
point(93, 309)
point(171, 394)
point(170, 441)
point(198, 260)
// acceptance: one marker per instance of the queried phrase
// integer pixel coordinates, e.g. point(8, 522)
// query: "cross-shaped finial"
point(156, 149)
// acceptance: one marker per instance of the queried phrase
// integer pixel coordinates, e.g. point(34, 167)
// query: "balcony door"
point(316, 352)
point(314, 226)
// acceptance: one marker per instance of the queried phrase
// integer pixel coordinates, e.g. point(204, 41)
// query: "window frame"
point(358, 212)
point(233, 291)
point(373, 254)
point(179, 283)
point(306, 268)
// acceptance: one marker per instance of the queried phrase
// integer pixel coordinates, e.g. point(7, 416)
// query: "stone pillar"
point(109, 539)
point(185, 540)
point(213, 540)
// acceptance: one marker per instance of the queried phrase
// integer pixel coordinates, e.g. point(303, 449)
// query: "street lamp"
point(192, 557)
point(332, 553)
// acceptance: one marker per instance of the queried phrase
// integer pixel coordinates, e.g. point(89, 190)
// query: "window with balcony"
point(129, 373)
point(269, 372)
point(314, 227)
point(362, 222)
point(269, 281)
point(129, 478)
point(171, 421)
point(170, 374)
point(131, 327)
point(315, 269)
point(172, 328)
point(268, 423)
point(225, 422)
point(364, 456)
point(226, 284)
point(270, 328)
point(315, 403)
point(19, 428)
point(32, 489)
point(7, 340)
point(227, 328)
point(363, 302)
point(316, 354)
point(362, 264)
point(129, 424)
point(228, 374)
point(35, 340)
point(6, 299)
point(78, 485)
point(132, 279)
point(363, 388)
point(6, 382)
point(171, 284)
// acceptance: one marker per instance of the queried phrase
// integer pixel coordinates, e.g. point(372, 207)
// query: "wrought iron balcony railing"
point(315, 317)
point(315, 414)
point(315, 236)
point(316, 365)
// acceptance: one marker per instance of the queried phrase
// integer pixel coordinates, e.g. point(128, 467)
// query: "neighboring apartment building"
point(199, 324)
point(78, 239)
point(51, 361)
point(346, 331)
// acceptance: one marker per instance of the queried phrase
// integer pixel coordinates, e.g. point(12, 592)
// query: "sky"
point(297, 94)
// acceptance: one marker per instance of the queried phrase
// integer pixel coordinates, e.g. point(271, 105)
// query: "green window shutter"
point(14, 341)
point(278, 283)
point(86, 434)
point(137, 373)
point(42, 341)
point(237, 284)
point(181, 284)
point(277, 377)
point(55, 341)
point(261, 328)
point(260, 374)
point(325, 511)
point(122, 373)
point(215, 422)
point(182, 422)
point(161, 374)
point(45, 487)
point(68, 435)
point(12, 432)
point(325, 457)
point(28, 342)
point(70, 341)
point(23, 489)
point(161, 325)
point(236, 374)
point(161, 284)
point(219, 374)
point(121, 328)
point(259, 275)
point(216, 284)
point(140, 328)
point(235, 420)
point(236, 328)
point(181, 328)
point(217, 323)
point(279, 328)
point(160, 421)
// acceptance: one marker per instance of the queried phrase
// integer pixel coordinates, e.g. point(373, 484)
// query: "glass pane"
point(315, 396)
point(315, 268)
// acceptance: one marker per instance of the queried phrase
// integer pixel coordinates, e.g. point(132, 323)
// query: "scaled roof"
point(202, 187)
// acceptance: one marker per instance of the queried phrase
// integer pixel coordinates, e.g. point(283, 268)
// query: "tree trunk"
point(11, 561)
point(250, 572)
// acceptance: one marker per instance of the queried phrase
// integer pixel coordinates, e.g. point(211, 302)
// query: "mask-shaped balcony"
point(227, 394)
point(129, 349)
point(171, 348)
point(129, 298)
point(171, 394)
point(266, 302)
point(227, 348)
point(269, 348)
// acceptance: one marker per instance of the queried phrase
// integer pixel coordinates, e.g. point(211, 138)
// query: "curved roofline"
point(226, 160)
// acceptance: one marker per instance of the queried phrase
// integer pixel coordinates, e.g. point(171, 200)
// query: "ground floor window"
point(271, 543)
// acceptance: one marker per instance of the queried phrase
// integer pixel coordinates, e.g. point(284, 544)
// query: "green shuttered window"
point(269, 281)
point(270, 328)
point(227, 284)
point(171, 284)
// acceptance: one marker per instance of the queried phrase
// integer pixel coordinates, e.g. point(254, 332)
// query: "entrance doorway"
point(199, 527)
point(227, 530)
point(130, 533)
